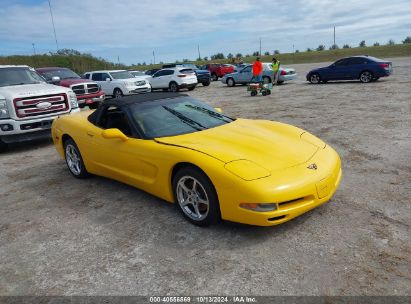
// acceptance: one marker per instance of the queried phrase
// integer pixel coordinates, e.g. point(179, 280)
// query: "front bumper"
point(288, 77)
point(85, 100)
point(137, 90)
point(23, 130)
point(295, 191)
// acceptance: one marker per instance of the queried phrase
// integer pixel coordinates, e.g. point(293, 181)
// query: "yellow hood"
point(270, 145)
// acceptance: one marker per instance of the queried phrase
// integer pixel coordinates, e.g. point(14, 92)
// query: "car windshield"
point(18, 76)
point(121, 75)
point(137, 73)
point(62, 73)
point(176, 116)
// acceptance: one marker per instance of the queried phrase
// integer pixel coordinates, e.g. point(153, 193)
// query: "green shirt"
point(275, 66)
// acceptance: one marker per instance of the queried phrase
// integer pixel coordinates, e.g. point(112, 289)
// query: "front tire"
point(196, 197)
point(3, 146)
point(117, 93)
point(315, 78)
point(366, 77)
point(206, 83)
point(214, 77)
point(230, 82)
point(74, 160)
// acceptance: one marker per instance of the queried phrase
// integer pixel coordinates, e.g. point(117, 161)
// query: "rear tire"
point(214, 77)
point(280, 82)
point(173, 87)
point(266, 80)
point(206, 83)
point(74, 160)
point(253, 93)
point(366, 77)
point(191, 88)
point(196, 197)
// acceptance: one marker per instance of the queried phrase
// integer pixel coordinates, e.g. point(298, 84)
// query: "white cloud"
point(173, 28)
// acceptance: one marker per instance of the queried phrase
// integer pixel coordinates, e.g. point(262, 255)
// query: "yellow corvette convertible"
point(254, 172)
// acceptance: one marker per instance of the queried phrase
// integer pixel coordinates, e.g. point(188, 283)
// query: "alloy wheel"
point(73, 159)
point(192, 198)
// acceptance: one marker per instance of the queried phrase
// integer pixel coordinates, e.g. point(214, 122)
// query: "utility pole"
point(199, 55)
point(34, 49)
point(334, 38)
point(54, 28)
point(260, 46)
point(118, 59)
point(154, 56)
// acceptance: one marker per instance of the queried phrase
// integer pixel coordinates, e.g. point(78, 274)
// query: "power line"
point(54, 28)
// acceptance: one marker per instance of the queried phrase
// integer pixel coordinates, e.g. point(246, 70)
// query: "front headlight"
point(73, 100)
point(266, 207)
point(4, 111)
point(308, 137)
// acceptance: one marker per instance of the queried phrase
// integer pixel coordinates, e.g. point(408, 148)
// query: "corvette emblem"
point(312, 167)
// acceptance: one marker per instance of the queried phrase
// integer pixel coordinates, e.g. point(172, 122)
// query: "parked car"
point(151, 72)
point(240, 66)
point(218, 70)
point(138, 74)
point(174, 79)
point(245, 75)
point(88, 92)
point(203, 76)
point(28, 105)
point(364, 68)
point(256, 172)
point(118, 83)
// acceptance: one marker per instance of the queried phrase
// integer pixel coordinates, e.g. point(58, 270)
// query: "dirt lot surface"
point(63, 236)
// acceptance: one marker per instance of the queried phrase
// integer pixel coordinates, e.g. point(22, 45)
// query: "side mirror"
point(55, 79)
point(218, 110)
point(108, 79)
point(114, 134)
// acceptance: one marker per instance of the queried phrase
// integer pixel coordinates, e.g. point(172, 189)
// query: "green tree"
point(391, 42)
point(217, 56)
point(346, 46)
point(276, 52)
point(205, 58)
point(376, 44)
point(309, 50)
point(334, 47)
point(229, 56)
point(321, 47)
point(238, 55)
point(267, 53)
point(362, 44)
point(256, 53)
point(407, 40)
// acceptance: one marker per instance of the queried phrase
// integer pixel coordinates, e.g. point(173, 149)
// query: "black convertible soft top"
point(140, 98)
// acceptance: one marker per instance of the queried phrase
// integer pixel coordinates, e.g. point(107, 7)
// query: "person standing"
point(276, 70)
point(257, 71)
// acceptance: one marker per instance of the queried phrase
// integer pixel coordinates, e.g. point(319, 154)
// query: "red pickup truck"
point(218, 70)
point(88, 92)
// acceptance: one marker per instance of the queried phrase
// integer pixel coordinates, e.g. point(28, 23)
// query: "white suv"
point(119, 82)
point(174, 79)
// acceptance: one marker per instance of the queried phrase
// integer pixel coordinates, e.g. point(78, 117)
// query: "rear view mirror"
point(218, 110)
point(114, 134)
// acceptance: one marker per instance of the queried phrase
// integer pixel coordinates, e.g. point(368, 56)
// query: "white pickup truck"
point(28, 105)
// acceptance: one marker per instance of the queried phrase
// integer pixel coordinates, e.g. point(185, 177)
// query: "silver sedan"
point(244, 75)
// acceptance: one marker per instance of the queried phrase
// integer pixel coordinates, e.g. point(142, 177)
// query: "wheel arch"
point(366, 70)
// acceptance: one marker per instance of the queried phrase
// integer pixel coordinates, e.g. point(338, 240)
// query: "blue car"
point(364, 68)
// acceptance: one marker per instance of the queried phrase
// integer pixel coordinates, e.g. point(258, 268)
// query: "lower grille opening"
point(289, 202)
point(276, 218)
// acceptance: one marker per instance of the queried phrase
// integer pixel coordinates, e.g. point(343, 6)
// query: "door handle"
point(90, 134)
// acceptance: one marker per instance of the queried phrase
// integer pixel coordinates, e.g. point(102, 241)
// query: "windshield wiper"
point(211, 113)
point(185, 119)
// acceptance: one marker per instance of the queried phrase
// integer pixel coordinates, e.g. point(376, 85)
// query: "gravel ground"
point(63, 236)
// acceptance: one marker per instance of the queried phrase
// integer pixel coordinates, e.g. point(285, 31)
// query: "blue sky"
point(132, 29)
